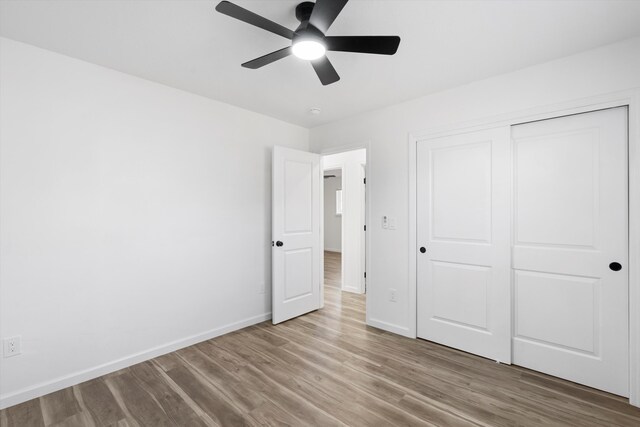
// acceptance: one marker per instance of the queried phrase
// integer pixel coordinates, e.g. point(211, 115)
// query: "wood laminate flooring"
point(323, 369)
point(332, 269)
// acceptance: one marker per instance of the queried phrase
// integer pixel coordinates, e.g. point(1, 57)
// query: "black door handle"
point(279, 243)
point(615, 266)
point(423, 250)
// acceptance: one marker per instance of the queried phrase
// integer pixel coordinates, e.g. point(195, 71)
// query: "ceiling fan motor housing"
point(303, 11)
point(306, 31)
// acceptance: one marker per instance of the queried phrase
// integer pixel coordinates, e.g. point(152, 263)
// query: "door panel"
point(574, 329)
point(570, 222)
point(461, 185)
point(460, 293)
point(298, 269)
point(296, 217)
point(298, 182)
point(556, 187)
point(463, 215)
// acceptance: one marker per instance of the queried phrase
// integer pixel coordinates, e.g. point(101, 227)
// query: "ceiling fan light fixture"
point(309, 41)
point(309, 49)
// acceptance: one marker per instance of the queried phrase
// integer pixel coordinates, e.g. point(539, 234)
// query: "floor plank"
point(59, 406)
point(100, 403)
point(137, 404)
point(25, 414)
point(326, 368)
point(332, 269)
point(207, 397)
point(171, 402)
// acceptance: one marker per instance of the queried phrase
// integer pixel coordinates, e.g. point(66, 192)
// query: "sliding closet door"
point(570, 248)
point(463, 242)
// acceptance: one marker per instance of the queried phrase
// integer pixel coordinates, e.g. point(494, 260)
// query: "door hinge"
point(365, 228)
point(364, 180)
point(365, 274)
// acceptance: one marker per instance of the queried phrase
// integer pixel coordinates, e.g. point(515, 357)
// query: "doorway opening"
point(333, 228)
point(344, 228)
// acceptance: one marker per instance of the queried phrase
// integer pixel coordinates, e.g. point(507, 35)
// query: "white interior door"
point(463, 242)
point(569, 224)
point(296, 220)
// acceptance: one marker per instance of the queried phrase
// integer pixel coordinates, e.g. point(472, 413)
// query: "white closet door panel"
point(574, 328)
point(461, 192)
point(460, 293)
point(463, 224)
point(570, 223)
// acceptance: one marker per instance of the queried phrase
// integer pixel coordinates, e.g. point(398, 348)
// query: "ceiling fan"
point(308, 41)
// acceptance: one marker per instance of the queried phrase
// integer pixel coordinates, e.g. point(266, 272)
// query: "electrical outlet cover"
point(11, 346)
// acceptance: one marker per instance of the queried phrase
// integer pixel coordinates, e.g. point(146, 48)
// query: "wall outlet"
point(12, 346)
point(393, 295)
point(385, 222)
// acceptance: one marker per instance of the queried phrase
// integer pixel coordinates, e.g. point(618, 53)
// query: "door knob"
point(423, 249)
point(279, 243)
point(615, 266)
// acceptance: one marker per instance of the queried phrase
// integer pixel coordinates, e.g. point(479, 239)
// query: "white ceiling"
point(187, 45)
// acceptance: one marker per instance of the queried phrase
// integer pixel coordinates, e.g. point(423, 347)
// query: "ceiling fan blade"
point(325, 12)
point(234, 11)
point(268, 58)
point(325, 71)
point(381, 45)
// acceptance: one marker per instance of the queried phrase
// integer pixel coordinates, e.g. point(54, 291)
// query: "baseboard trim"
point(42, 389)
point(333, 250)
point(390, 327)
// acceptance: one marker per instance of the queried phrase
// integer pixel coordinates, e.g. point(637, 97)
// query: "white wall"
point(608, 69)
point(332, 222)
point(351, 163)
point(134, 218)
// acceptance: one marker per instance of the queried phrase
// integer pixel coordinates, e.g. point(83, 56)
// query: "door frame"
point(628, 98)
point(367, 209)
